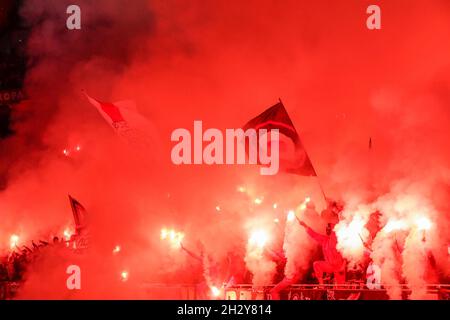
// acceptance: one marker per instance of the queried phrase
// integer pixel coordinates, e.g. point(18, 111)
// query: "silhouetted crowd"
point(14, 265)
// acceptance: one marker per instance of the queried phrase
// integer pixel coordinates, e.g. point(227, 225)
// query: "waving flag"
point(293, 156)
point(79, 214)
point(126, 121)
point(79, 240)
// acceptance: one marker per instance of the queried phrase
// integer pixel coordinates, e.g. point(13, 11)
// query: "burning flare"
point(394, 225)
point(351, 236)
point(423, 223)
point(68, 234)
point(241, 189)
point(258, 238)
point(258, 201)
point(13, 241)
point(291, 215)
point(175, 238)
point(124, 275)
point(261, 267)
point(215, 291)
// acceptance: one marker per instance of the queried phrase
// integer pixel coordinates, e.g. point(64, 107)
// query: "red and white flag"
point(126, 121)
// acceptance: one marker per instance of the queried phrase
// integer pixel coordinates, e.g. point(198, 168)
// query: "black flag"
point(79, 214)
point(293, 156)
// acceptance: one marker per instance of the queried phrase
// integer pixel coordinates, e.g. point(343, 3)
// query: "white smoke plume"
point(298, 246)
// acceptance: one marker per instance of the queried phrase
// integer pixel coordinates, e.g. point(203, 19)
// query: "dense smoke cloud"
point(223, 64)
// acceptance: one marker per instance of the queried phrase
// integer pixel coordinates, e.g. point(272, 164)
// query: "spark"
point(66, 152)
point(217, 208)
point(241, 189)
point(124, 275)
point(258, 201)
point(304, 203)
point(116, 249)
point(275, 205)
point(78, 148)
point(276, 220)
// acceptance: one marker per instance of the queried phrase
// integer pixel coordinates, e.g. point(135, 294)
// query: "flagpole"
point(318, 180)
point(321, 188)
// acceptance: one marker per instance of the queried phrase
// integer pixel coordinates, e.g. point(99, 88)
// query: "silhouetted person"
point(333, 263)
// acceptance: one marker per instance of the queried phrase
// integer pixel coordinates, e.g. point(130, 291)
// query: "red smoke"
point(222, 63)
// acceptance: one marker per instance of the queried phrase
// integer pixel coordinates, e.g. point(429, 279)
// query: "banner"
point(293, 156)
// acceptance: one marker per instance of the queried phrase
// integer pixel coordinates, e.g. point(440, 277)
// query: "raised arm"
point(275, 255)
point(316, 236)
point(189, 252)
